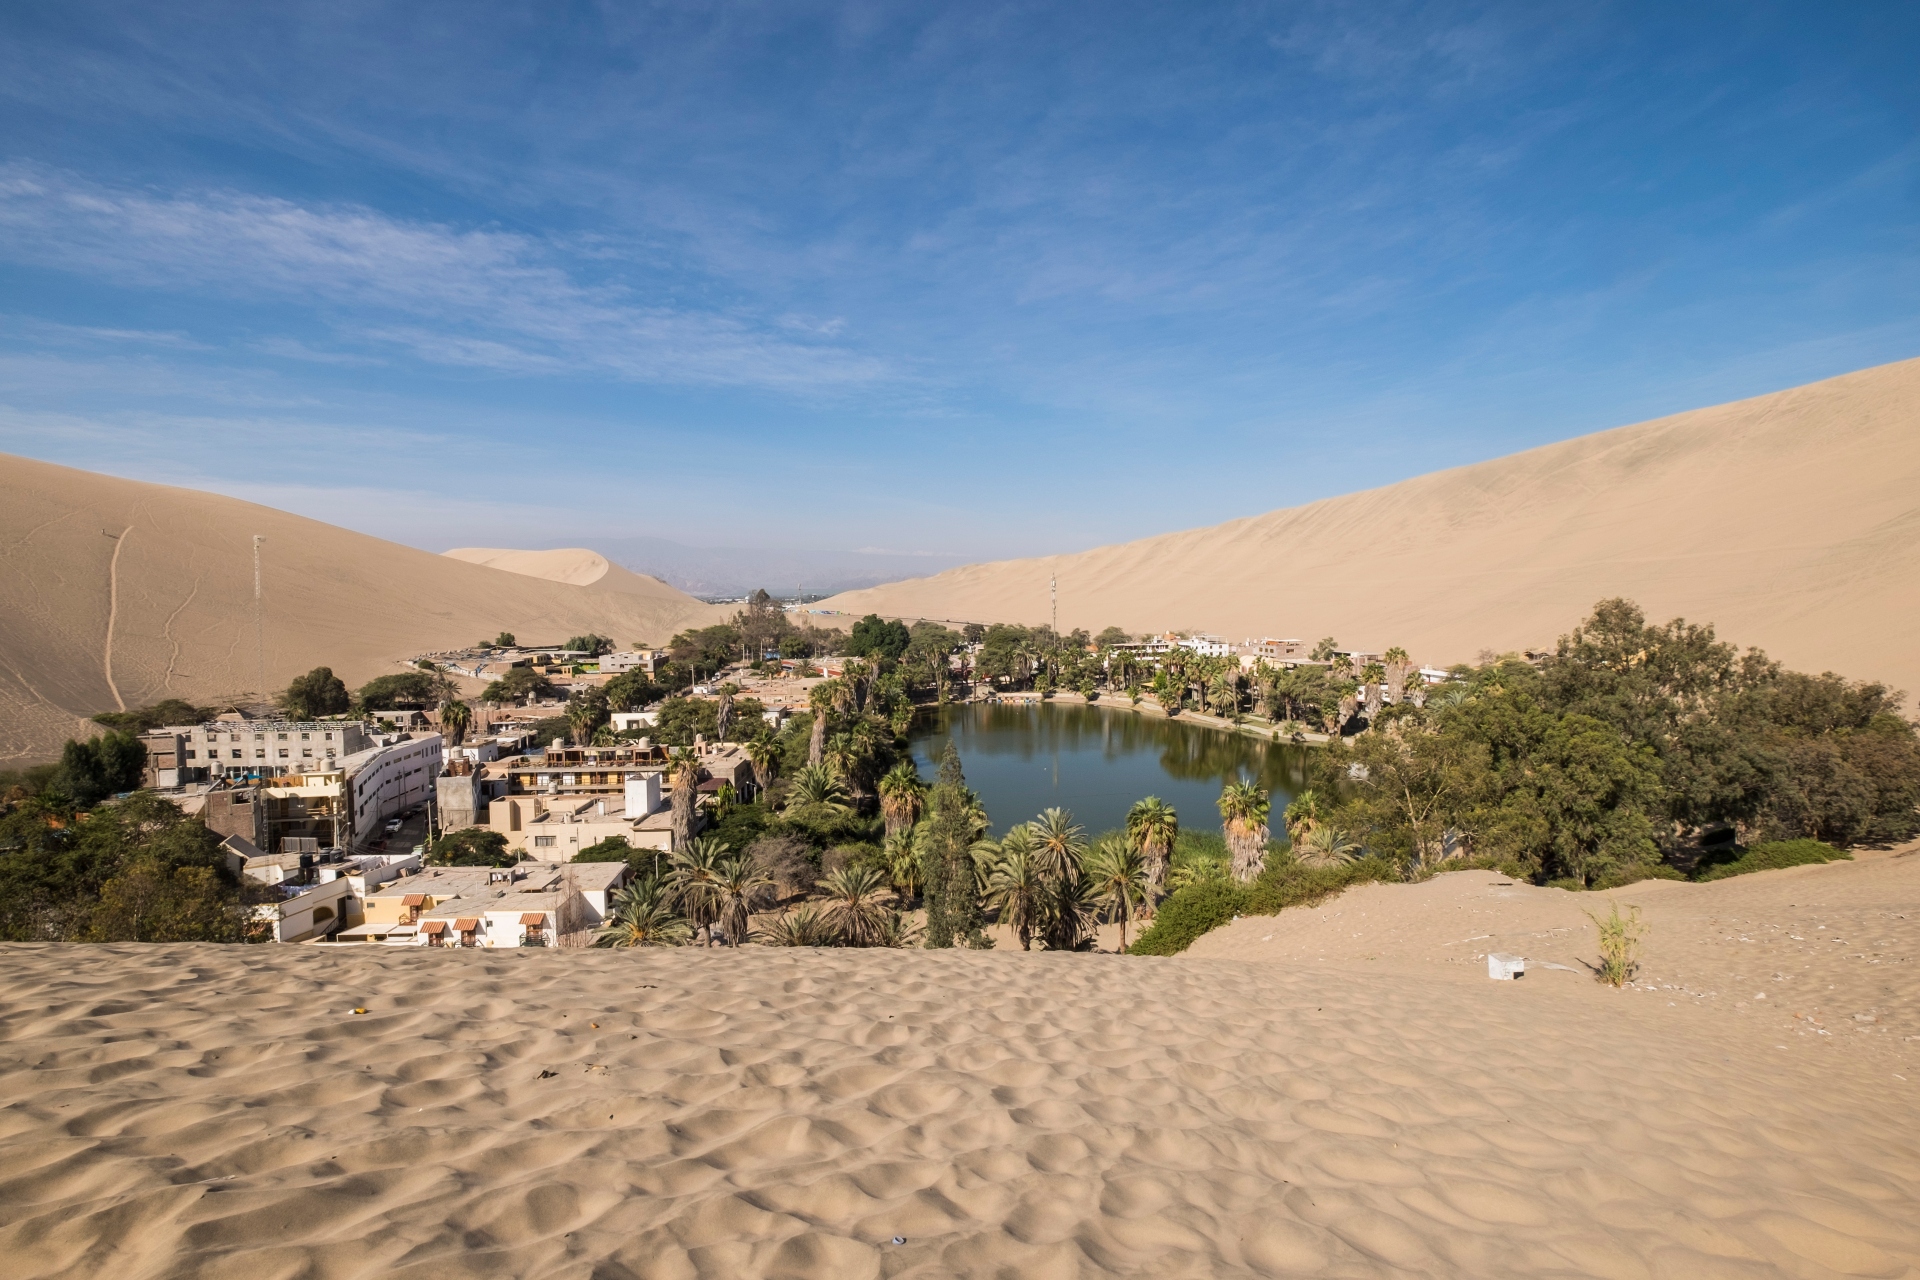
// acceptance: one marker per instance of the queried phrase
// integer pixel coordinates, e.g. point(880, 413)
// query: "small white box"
point(1502, 967)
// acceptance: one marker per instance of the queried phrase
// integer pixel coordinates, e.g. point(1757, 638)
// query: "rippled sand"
point(198, 1111)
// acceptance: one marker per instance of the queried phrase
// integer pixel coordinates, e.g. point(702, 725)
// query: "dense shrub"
point(471, 847)
point(1772, 856)
point(1286, 883)
point(1188, 913)
point(137, 871)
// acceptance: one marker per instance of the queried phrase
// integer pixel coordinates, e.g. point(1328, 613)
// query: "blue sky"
point(959, 281)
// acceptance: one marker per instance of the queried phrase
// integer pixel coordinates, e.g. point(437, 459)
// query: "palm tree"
point(736, 882)
point(1116, 877)
point(723, 715)
point(764, 755)
point(1324, 846)
point(801, 927)
point(1016, 886)
point(817, 786)
point(642, 915)
point(856, 907)
point(1153, 826)
point(685, 767)
point(695, 881)
point(583, 716)
point(820, 699)
point(903, 863)
point(1244, 807)
point(1224, 695)
point(897, 930)
point(1302, 815)
point(455, 718)
point(902, 797)
point(1058, 842)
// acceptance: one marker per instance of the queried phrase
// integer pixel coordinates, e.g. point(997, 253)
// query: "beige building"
point(522, 906)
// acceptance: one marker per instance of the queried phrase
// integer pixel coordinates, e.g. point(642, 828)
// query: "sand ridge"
point(118, 592)
point(220, 1112)
point(575, 565)
point(1791, 521)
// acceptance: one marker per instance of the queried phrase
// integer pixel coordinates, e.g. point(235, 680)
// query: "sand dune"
point(1791, 520)
point(575, 565)
point(122, 593)
point(1381, 1111)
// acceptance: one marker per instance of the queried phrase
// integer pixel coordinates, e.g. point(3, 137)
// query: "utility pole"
point(259, 617)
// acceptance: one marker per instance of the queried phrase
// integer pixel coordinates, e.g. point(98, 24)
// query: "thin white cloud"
point(489, 299)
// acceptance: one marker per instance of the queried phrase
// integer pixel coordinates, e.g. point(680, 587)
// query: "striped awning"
point(466, 925)
point(414, 900)
point(534, 919)
point(434, 926)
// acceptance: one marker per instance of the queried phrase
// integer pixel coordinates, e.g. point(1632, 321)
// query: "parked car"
point(393, 826)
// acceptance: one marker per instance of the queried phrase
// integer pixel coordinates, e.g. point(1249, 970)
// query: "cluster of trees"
point(707, 891)
point(138, 870)
point(1620, 756)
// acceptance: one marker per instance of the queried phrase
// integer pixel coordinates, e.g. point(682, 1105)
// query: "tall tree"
point(455, 718)
point(1152, 827)
point(1244, 807)
point(1016, 886)
point(953, 905)
point(1116, 878)
point(315, 694)
point(684, 768)
point(902, 796)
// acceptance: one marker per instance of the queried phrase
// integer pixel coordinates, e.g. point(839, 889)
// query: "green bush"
point(1188, 913)
point(471, 847)
point(1286, 883)
point(1636, 873)
point(1774, 855)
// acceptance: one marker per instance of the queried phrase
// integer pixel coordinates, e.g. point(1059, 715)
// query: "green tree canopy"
point(315, 694)
point(471, 847)
point(170, 711)
point(875, 637)
point(415, 690)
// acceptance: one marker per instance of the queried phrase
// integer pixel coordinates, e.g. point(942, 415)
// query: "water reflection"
point(1098, 760)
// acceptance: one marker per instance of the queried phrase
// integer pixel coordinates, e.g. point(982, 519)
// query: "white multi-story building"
point(268, 747)
point(387, 780)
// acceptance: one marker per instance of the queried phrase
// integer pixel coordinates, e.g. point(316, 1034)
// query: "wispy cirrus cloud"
point(468, 297)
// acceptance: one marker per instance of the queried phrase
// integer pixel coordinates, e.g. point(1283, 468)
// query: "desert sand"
point(1791, 521)
point(118, 594)
point(575, 565)
point(1335, 1092)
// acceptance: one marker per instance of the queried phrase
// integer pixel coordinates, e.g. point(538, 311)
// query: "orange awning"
point(466, 926)
point(414, 900)
point(534, 919)
point(434, 926)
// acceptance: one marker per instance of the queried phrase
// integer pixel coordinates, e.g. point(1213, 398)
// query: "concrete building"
point(385, 781)
point(647, 661)
point(266, 748)
point(468, 907)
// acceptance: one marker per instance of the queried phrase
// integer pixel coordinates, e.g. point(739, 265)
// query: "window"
point(306, 752)
point(284, 753)
point(259, 753)
point(305, 736)
point(283, 737)
point(544, 842)
point(329, 736)
point(192, 754)
point(236, 753)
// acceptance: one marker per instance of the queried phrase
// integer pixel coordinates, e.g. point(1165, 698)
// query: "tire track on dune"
point(166, 630)
point(113, 611)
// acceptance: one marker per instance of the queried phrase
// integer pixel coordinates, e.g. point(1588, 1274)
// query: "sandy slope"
point(176, 584)
point(1792, 521)
point(177, 1111)
point(575, 565)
